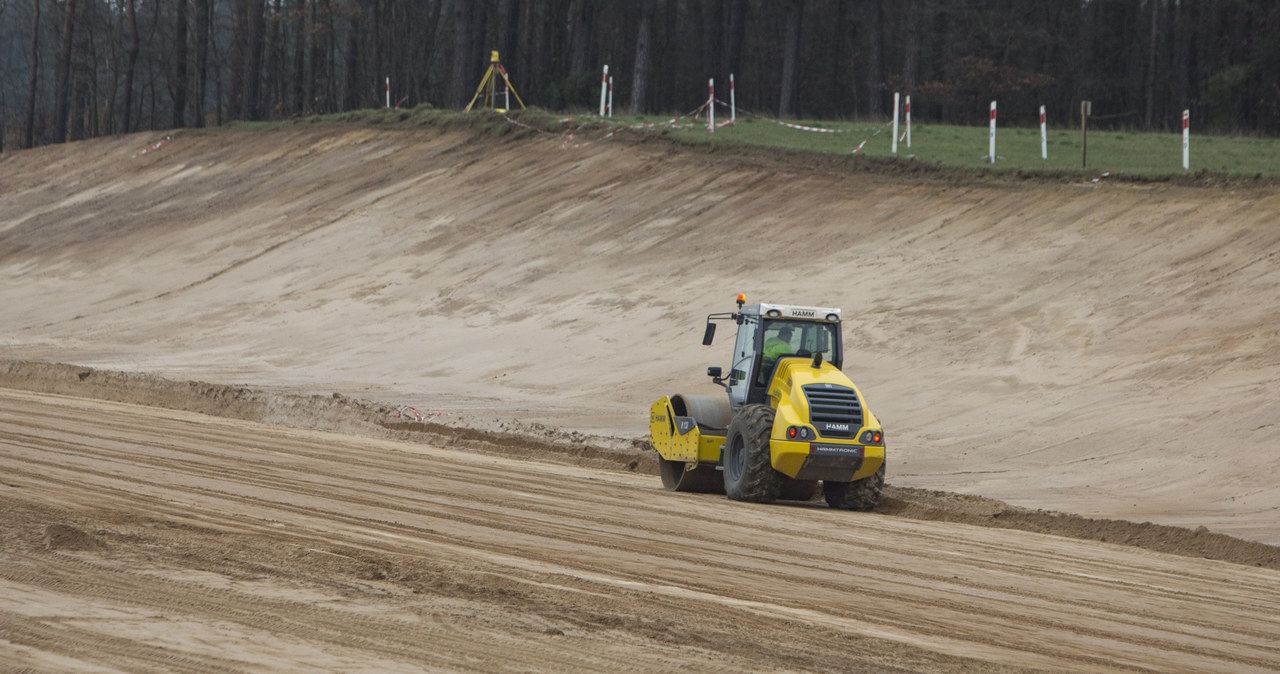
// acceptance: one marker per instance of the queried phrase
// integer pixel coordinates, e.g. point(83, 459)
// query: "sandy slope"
point(1109, 350)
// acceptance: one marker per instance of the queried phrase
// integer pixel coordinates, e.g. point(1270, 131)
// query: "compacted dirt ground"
point(138, 538)
point(1078, 382)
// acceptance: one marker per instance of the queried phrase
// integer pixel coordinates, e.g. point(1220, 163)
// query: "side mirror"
point(714, 372)
point(709, 334)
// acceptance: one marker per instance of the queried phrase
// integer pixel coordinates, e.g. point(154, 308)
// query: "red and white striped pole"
point(604, 87)
point(1186, 140)
point(611, 96)
point(711, 105)
point(908, 121)
point(992, 144)
point(733, 102)
point(388, 92)
point(894, 145)
point(1044, 137)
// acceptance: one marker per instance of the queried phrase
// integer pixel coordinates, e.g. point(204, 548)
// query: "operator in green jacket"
point(774, 348)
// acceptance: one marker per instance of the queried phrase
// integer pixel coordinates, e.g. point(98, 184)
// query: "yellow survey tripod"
point(489, 85)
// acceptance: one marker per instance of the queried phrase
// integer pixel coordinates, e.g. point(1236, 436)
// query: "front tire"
point(748, 467)
point(861, 494)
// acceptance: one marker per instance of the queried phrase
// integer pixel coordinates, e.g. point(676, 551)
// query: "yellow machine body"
point(789, 418)
point(792, 409)
point(678, 436)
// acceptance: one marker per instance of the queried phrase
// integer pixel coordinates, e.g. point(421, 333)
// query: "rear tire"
point(676, 476)
point(861, 494)
point(748, 467)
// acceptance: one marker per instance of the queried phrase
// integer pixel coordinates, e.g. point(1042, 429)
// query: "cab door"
point(744, 356)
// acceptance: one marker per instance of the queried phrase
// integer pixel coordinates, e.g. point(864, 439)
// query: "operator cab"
point(766, 334)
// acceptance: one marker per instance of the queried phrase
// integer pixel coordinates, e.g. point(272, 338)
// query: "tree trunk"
point(735, 34)
point(462, 55)
point(1151, 66)
point(239, 57)
point(790, 57)
point(202, 58)
point(580, 39)
point(644, 45)
point(351, 96)
point(62, 96)
point(127, 116)
point(911, 46)
point(82, 108)
point(252, 78)
point(299, 56)
point(875, 68)
point(30, 132)
point(180, 67)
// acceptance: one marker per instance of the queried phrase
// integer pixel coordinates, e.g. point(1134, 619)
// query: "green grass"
point(1130, 153)
point(1137, 155)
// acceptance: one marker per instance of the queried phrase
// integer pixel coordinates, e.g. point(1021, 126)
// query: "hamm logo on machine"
point(836, 450)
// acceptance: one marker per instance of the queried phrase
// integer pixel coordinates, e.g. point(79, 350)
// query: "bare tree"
point(239, 48)
point(253, 67)
point(644, 47)
point(580, 38)
point(64, 75)
point(790, 57)
point(1151, 66)
point(202, 58)
point(874, 78)
point(180, 66)
point(29, 134)
point(132, 15)
point(461, 53)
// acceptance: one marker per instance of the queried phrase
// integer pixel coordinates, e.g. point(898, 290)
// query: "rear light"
point(800, 433)
point(872, 438)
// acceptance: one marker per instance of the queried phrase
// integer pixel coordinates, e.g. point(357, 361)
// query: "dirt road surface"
point(139, 539)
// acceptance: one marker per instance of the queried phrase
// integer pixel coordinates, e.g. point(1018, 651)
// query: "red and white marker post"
point(388, 92)
point(733, 103)
point(1044, 138)
point(604, 87)
point(908, 121)
point(1186, 140)
point(991, 151)
point(894, 145)
point(711, 105)
point(611, 96)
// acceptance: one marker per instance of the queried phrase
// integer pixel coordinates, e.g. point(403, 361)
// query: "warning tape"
point(789, 125)
point(873, 135)
point(695, 113)
point(405, 410)
point(156, 146)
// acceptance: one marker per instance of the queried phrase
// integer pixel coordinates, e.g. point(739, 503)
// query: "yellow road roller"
point(791, 419)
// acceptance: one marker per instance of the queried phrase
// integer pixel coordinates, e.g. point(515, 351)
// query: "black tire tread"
point(861, 494)
point(759, 482)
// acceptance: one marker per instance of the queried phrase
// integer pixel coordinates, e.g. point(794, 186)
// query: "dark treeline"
point(71, 69)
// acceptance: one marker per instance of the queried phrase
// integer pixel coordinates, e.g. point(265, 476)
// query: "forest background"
point(73, 69)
